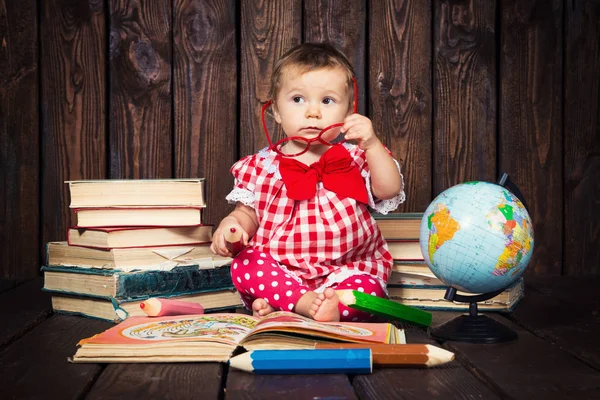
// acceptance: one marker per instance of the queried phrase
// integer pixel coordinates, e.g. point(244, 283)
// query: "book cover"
point(136, 192)
point(431, 297)
point(110, 237)
point(117, 310)
point(136, 284)
point(135, 258)
point(138, 216)
point(214, 337)
point(395, 226)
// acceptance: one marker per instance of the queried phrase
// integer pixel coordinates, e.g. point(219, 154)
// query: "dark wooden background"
point(458, 90)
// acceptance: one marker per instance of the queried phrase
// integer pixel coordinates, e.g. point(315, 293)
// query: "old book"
point(432, 297)
point(215, 337)
point(141, 236)
point(117, 310)
point(137, 192)
point(412, 267)
point(139, 216)
point(405, 250)
point(135, 284)
point(414, 279)
point(131, 259)
point(399, 225)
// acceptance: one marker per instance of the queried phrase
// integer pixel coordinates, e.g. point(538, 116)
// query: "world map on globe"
point(477, 237)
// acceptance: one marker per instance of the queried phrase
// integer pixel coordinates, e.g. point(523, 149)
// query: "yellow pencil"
point(398, 355)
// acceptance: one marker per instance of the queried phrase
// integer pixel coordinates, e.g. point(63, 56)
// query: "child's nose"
point(313, 111)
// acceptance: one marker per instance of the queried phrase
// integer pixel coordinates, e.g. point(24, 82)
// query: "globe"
point(477, 237)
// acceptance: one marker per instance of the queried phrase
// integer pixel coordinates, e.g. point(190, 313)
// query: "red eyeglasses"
point(302, 143)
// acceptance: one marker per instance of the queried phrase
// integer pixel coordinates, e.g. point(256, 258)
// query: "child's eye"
point(297, 99)
point(328, 100)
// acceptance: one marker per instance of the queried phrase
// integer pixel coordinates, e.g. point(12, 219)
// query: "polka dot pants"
point(257, 275)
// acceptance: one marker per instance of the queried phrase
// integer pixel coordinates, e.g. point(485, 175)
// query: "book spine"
point(178, 280)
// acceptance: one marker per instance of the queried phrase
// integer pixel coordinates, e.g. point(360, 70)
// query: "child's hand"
point(358, 127)
point(219, 244)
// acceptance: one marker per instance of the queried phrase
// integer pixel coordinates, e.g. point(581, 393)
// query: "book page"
point(347, 331)
point(222, 328)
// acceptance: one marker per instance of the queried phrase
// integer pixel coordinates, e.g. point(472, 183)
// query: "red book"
point(110, 237)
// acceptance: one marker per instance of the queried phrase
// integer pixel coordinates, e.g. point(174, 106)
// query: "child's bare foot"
point(325, 306)
point(260, 308)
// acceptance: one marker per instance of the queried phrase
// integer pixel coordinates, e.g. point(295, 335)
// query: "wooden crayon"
point(233, 239)
point(305, 361)
point(398, 355)
point(156, 307)
point(383, 307)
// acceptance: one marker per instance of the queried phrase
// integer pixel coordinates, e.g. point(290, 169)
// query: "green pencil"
point(383, 307)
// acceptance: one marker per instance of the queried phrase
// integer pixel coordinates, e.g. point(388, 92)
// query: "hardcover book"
point(138, 216)
point(395, 226)
point(137, 192)
point(214, 337)
point(131, 259)
point(141, 236)
point(117, 310)
point(405, 250)
point(130, 285)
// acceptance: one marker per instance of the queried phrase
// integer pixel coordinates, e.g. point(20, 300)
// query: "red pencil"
point(233, 239)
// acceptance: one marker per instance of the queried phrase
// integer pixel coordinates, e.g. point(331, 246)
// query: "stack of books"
point(136, 239)
point(413, 283)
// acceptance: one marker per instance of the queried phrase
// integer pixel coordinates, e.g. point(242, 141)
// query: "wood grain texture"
point(582, 137)
point(205, 98)
point(572, 323)
point(73, 98)
point(464, 147)
point(400, 91)
point(19, 140)
point(530, 145)
point(159, 381)
point(140, 120)
point(268, 29)
point(242, 385)
point(528, 367)
point(50, 376)
point(345, 28)
point(29, 306)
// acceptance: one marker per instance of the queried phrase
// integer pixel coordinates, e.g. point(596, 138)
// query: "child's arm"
point(385, 177)
point(243, 218)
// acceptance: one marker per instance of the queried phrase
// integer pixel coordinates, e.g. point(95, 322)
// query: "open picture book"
point(215, 337)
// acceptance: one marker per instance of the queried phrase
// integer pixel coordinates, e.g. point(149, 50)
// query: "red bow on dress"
point(335, 169)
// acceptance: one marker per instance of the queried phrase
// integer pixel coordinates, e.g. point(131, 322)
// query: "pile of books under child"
point(136, 239)
point(413, 283)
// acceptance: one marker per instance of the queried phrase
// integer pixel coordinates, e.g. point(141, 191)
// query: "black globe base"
point(473, 327)
point(476, 329)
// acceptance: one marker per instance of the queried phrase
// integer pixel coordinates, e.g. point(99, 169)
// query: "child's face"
point(308, 102)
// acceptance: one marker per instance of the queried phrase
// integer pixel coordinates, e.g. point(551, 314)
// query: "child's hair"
point(307, 57)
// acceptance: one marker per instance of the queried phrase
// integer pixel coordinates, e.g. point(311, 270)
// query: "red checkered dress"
point(322, 240)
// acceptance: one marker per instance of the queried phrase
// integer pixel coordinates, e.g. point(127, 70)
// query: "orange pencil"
point(155, 307)
point(233, 239)
point(398, 355)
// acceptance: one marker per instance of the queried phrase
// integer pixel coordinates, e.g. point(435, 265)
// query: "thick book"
point(110, 237)
point(136, 284)
point(117, 310)
point(215, 337)
point(430, 297)
point(132, 259)
point(137, 192)
point(405, 250)
point(139, 216)
point(399, 225)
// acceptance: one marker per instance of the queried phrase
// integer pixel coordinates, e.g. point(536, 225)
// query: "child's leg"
point(256, 275)
point(362, 283)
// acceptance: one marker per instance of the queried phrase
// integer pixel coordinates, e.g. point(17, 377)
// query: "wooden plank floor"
point(557, 356)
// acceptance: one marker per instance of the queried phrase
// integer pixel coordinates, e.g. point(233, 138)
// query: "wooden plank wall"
point(459, 90)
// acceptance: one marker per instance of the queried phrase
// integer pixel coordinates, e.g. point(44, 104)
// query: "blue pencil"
point(328, 361)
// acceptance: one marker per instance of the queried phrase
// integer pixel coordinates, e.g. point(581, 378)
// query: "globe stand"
point(473, 327)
